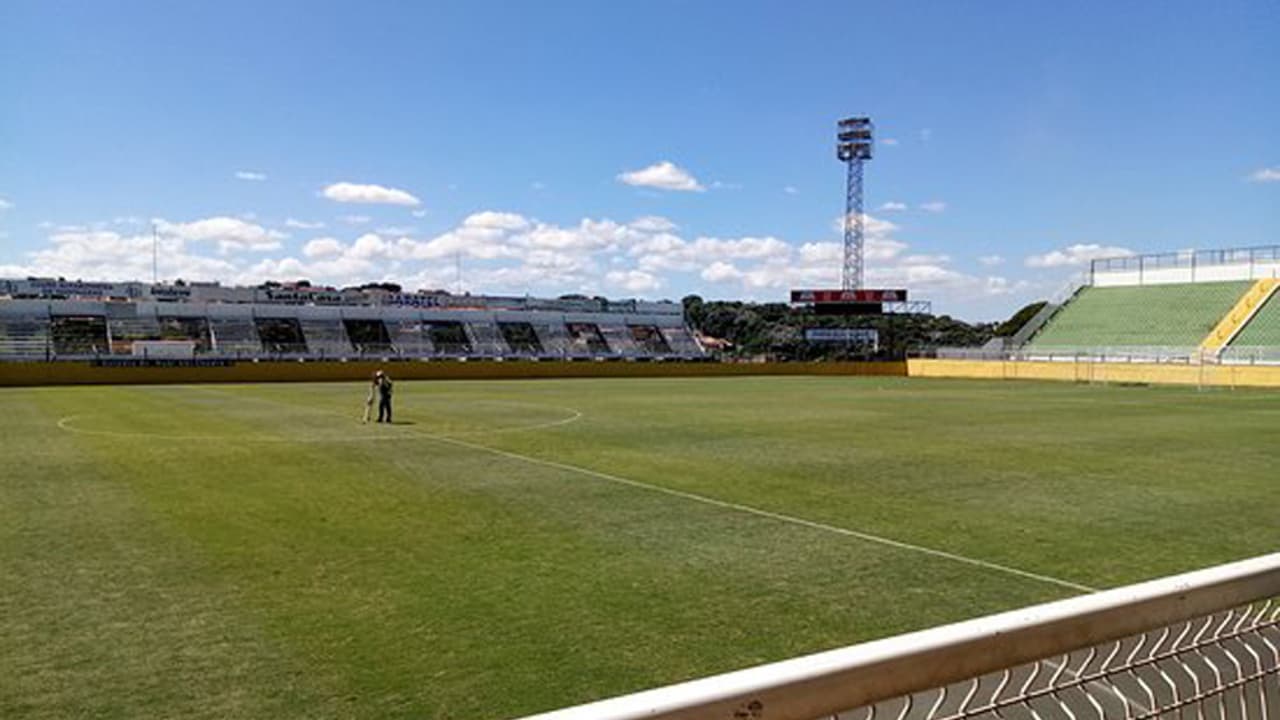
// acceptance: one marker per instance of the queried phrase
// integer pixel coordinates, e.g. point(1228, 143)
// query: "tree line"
point(776, 330)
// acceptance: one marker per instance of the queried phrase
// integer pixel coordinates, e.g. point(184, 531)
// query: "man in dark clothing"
point(384, 397)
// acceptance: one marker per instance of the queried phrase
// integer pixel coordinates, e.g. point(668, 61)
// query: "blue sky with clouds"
point(632, 149)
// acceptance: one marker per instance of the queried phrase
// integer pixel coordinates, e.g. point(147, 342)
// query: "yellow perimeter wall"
point(83, 373)
point(1224, 375)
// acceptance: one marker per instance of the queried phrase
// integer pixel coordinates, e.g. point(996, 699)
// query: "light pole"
point(854, 143)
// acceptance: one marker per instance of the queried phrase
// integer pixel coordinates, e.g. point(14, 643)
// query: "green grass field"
point(512, 547)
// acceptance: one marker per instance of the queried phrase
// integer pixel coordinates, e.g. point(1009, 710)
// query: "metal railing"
point(1161, 355)
point(1051, 308)
point(1249, 355)
point(1205, 644)
point(1121, 354)
point(1187, 259)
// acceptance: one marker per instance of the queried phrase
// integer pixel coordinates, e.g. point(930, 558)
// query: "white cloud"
point(1074, 255)
point(892, 206)
point(664, 175)
point(933, 206)
point(371, 246)
point(355, 219)
point(721, 271)
point(589, 235)
point(871, 225)
point(227, 233)
point(250, 175)
point(302, 224)
point(669, 252)
point(506, 252)
point(1267, 174)
point(634, 280)
point(109, 255)
point(323, 247)
point(127, 220)
point(346, 192)
point(889, 264)
point(418, 213)
point(496, 220)
point(991, 260)
point(473, 242)
point(5, 204)
point(653, 224)
point(889, 141)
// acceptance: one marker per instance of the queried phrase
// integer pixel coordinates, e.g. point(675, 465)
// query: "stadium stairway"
point(1239, 316)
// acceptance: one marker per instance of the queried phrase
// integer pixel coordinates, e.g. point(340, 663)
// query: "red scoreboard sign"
point(819, 297)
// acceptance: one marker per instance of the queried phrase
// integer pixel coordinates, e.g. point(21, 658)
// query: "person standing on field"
point(383, 383)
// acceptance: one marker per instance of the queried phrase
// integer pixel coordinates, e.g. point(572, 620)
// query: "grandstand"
point(1214, 306)
point(1173, 315)
point(46, 319)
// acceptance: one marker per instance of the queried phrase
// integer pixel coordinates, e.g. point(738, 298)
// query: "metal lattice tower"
point(853, 147)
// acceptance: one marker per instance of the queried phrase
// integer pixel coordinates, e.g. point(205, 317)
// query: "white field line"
point(574, 416)
point(66, 423)
point(728, 505)
point(814, 525)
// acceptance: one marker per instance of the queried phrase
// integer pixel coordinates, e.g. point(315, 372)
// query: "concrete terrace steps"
point(1173, 315)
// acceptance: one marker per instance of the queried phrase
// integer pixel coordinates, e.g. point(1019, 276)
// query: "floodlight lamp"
point(854, 139)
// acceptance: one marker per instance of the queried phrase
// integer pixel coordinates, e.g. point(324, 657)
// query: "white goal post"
point(1205, 643)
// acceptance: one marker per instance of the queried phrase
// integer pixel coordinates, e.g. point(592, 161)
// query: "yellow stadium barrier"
point(1099, 372)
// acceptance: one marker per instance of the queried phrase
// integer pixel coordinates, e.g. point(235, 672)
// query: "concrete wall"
point(1218, 375)
point(84, 373)
point(1187, 273)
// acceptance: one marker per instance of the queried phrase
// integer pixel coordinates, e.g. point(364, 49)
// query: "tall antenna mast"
point(853, 147)
point(155, 254)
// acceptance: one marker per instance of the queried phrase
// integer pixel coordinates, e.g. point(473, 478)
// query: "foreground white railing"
point(1203, 644)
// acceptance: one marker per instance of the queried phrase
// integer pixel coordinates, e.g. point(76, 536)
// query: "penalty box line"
point(725, 504)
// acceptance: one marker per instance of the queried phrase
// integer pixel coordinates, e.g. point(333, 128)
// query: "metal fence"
point(1060, 297)
point(1249, 355)
point(1233, 355)
point(1124, 354)
point(1205, 644)
point(1262, 255)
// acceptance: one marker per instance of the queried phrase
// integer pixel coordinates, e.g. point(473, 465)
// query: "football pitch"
point(509, 547)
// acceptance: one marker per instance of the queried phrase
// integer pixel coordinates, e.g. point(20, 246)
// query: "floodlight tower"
point(853, 147)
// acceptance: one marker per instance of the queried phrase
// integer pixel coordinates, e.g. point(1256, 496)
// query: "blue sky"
point(632, 149)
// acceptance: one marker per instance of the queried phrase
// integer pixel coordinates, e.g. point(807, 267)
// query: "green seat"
point(1263, 329)
point(1178, 315)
